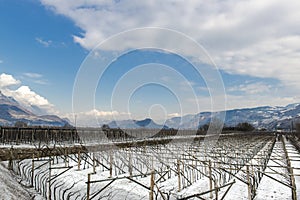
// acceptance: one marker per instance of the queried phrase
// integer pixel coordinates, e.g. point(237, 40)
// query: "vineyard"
point(233, 166)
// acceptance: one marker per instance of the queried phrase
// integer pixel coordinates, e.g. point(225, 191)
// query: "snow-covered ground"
point(270, 188)
point(10, 189)
point(72, 184)
point(295, 163)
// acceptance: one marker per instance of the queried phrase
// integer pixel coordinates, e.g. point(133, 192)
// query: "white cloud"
point(99, 113)
point(203, 89)
point(258, 38)
point(275, 57)
point(7, 80)
point(200, 19)
point(33, 75)
point(35, 78)
point(259, 100)
point(45, 43)
point(96, 117)
point(41, 82)
point(252, 88)
point(24, 95)
point(255, 38)
point(244, 101)
point(173, 115)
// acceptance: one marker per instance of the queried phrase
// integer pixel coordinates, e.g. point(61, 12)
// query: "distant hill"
point(266, 117)
point(11, 112)
point(271, 118)
point(134, 124)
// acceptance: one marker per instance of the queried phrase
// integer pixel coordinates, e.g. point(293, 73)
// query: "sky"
point(135, 59)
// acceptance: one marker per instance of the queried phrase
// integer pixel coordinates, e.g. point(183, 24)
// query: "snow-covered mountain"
point(261, 117)
point(278, 117)
point(11, 112)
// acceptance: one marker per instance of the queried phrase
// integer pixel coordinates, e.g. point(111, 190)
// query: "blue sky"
point(26, 25)
point(43, 45)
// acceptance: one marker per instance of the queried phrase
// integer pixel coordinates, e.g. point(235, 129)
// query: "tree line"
point(244, 126)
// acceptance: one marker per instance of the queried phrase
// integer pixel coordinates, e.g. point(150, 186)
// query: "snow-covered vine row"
point(232, 166)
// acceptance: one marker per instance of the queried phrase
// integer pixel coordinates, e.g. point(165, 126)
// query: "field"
point(232, 166)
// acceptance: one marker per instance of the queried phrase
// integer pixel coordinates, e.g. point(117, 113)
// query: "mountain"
point(149, 123)
point(11, 112)
point(266, 117)
point(271, 118)
point(134, 124)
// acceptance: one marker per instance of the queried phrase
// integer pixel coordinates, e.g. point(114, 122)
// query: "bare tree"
point(245, 127)
point(20, 124)
point(297, 126)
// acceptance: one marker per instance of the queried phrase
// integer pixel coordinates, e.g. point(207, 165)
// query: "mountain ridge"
point(135, 124)
point(262, 117)
point(11, 112)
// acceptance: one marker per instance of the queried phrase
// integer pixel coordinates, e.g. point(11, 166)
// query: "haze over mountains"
point(271, 118)
point(279, 117)
point(128, 124)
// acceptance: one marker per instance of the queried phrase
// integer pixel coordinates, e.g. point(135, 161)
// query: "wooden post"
point(88, 187)
point(38, 155)
point(94, 163)
point(10, 162)
point(130, 164)
point(182, 171)
point(32, 171)
point(17, 136)
point(193, 172)
point(49, 188)
point(252, 169)
point(66, 157)
point(249, 183)
point(216, 191)
point(110, 164)
point(178, 175)
point(32, 135)
point(79, 160)
point(210, 179)
point(290, 170)
point(151, 195)
point(294, 192)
